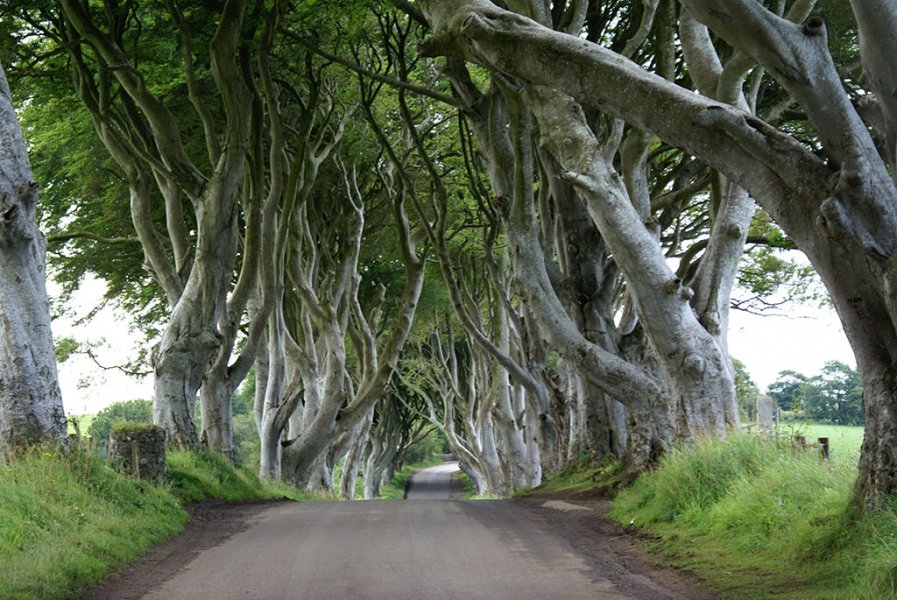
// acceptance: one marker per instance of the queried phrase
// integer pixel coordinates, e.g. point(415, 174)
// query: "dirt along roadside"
point(612, 550)
point(211, 523)
point(521, 549)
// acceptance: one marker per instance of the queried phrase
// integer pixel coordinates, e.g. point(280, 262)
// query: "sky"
point(802, 341)
point(87, 388)
point(802, 338)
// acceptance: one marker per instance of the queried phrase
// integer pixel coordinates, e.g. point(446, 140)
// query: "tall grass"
point(761, 520)
point(66, 519)
point(196, 476)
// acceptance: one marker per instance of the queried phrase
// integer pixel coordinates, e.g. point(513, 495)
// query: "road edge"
point(211, 522)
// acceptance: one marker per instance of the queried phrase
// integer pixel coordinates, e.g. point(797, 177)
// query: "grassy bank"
point(195, 476)
point(761, 520)
point(67, 519)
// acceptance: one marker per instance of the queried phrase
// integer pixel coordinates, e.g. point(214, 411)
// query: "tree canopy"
point(532, 215)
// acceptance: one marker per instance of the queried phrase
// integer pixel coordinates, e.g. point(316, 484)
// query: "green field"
point(844, 441)
point(84, 422)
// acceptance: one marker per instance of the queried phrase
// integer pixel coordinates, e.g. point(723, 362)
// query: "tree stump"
point(138, 450)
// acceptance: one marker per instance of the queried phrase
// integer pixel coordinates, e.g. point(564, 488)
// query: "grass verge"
point(470, 490)
point(760, 520)
point(66, 519)
point(583, 478)
point(196, 476)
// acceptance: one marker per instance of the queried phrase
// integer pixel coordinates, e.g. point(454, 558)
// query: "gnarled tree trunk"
point(841, 214)
point(30, 400)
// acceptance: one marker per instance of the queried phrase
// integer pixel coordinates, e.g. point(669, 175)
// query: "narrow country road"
point(414, 549)
point(432, 483)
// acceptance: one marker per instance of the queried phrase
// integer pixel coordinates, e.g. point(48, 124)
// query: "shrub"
point(131, 411)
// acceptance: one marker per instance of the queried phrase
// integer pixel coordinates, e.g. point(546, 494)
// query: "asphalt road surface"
point(432, 483)
point(438, 549)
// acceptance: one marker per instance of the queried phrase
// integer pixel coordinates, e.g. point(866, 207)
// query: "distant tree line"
point(834, 395)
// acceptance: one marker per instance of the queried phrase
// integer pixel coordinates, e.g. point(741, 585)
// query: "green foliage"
point(426, 448)
point(786, 390)
point(246, 441)
point(344, 17)
point(65, 519)
point(247, 445)
point(761, 520)
point(833, 396)
point(746, 391)
point(82, 191)
point(64, 348)
point(131, 411)
point(843, 38)
point(773, 274)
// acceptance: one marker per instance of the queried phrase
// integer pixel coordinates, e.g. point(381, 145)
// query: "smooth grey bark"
point(269, 441)
point(582, 288)
point(855, 238)
point(842, 215)
point(381, 451)
point(30, 400)
point(522, 469)
point(192, 340)
point(732, 207)
point(876, 356)
point(877, 22)
point(332, 404)
point(693, 368)
point(333, 417)
point(597, 421)
point(354, 457)
point(490, 424)
point(580, 278)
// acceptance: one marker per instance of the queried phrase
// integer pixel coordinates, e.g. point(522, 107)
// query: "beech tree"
point(396, 429)
point(565, 256)
point(840, 209)
point(30, 400)
point(683, 388)
point(193, 175)
point(316, 405)
point(584, 174)
point(424, 151)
